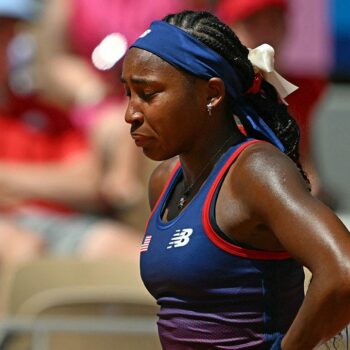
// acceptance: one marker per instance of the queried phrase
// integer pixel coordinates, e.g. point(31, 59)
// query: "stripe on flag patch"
point(145, 244)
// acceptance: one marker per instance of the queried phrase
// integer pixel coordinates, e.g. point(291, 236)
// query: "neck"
point(191, 186)
point(204, 155)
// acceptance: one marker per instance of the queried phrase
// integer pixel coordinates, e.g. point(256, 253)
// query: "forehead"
point(144, 63)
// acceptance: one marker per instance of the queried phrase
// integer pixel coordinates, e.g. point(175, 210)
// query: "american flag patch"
point(145, 244)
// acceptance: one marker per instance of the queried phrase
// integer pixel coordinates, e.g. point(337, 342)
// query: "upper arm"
point(277, 195)
point(158, 179)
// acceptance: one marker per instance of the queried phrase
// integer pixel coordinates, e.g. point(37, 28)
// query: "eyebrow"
point(138, 80)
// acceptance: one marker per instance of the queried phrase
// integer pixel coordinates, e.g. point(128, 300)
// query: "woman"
point(234, 222)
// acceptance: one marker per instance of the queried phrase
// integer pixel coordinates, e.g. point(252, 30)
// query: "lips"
point(140, 140)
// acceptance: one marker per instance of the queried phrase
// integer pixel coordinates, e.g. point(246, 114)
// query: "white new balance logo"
point(180, 238)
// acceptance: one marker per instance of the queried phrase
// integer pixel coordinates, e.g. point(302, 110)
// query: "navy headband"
point(182, 50)
point(179, 48)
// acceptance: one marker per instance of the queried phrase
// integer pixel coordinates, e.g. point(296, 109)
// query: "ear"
point(215, 91)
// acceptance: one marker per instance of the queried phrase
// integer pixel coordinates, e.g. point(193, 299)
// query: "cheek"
point(168, 114)
point(167, 124)
point(174, 116)
point(172, 126)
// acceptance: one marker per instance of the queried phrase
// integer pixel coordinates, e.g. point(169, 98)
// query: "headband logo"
point(146, 32)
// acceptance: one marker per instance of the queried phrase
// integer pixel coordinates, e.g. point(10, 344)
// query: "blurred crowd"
point(71, 179)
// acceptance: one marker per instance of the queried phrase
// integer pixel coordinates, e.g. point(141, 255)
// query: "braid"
point(276, 115)
point(219, 37)
point(209, 30)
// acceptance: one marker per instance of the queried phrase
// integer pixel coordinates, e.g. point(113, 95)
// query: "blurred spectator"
point(274, 22)
point(199, 5)
point(48, 173)
point(340, 29)
point(252, 20)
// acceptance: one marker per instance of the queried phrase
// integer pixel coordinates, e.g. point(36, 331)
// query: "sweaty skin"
point(263, 201)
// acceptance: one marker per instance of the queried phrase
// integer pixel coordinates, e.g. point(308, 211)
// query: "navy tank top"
point(214, 293)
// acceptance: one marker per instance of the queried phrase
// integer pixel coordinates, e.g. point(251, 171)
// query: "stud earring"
point(209, 108)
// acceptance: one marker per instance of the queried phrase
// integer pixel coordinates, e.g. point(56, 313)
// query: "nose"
point(133, 115)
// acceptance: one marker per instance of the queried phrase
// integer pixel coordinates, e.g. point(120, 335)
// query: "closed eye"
point(147, 95)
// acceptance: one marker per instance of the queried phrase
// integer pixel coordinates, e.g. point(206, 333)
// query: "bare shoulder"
point(271, 188)
point(263, 178)
point(158, 179)
point(263, 166)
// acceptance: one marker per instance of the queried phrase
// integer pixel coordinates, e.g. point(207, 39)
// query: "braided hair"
point(209, 30)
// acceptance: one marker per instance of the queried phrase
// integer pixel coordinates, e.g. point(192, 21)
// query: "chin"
point(156, 155)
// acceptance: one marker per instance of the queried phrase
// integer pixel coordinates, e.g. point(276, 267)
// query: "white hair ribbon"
point(262, 59)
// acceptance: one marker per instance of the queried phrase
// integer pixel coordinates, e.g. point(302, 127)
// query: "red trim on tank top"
point(219, 241)
point(172, 174)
